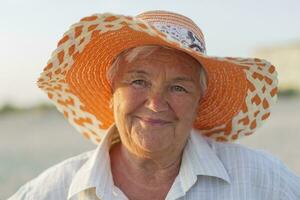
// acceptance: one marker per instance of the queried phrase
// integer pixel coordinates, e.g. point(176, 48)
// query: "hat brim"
point(75, 79)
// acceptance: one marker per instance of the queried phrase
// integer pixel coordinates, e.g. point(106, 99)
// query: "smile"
point(153, 121)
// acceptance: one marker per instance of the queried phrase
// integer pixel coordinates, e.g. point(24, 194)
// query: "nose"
point(157, 101)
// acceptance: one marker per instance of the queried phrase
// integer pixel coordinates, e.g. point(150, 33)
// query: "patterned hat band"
point(179, 28)
point(182, 35)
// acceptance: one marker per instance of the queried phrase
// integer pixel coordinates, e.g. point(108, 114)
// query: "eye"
point(139, 83)
point(178, 88)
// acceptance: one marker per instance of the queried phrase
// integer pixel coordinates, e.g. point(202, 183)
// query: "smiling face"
point(155, 100)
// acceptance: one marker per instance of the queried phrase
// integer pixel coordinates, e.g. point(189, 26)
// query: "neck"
point(163, 164)
point(154, 173)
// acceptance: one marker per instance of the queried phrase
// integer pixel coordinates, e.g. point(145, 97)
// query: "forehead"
point(158, 59)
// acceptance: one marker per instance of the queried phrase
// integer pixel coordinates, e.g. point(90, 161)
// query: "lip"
point(153, 121)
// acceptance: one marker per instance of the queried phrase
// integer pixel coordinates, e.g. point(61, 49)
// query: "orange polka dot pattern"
point(240, 93)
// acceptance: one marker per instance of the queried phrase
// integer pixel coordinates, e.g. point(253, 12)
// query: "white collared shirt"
point(209, 170)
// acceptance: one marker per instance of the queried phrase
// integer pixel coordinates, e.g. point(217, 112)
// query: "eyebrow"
point(183, 78)
point(138, 72)
point(177, 79)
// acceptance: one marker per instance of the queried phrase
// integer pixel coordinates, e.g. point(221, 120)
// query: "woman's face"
point(155, 99)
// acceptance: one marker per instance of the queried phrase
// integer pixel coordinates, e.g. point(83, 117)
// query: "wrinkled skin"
point(154, 102)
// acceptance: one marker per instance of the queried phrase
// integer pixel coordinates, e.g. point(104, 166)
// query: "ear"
point(197, 107)
point(111, 102)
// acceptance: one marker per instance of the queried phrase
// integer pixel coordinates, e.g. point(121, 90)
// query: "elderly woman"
point(162, 112)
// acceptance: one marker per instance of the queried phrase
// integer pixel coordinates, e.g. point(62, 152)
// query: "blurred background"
point(34, 136)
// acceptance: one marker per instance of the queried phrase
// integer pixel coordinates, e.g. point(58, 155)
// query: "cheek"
point(126, 101)
point(185, 108)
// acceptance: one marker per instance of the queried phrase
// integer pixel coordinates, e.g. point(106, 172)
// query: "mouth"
point(153, 121)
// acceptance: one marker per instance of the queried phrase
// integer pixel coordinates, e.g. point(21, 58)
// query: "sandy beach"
point(32, 142)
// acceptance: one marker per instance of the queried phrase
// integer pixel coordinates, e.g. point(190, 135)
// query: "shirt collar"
point(94, 173)
point(199, 159)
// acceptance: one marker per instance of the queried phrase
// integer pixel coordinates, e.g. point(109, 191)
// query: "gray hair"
point(144, 51)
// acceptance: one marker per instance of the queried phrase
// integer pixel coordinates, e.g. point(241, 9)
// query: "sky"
point(30, 30)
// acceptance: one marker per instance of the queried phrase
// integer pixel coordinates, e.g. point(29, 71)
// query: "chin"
point(153, 139)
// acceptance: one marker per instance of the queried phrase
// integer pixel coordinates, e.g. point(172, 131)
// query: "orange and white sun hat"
point(240, 91)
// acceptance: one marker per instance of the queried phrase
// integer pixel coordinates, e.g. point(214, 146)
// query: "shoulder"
point(257, 168)
point(54, 182)
point(236, 156)
point(249, 164)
